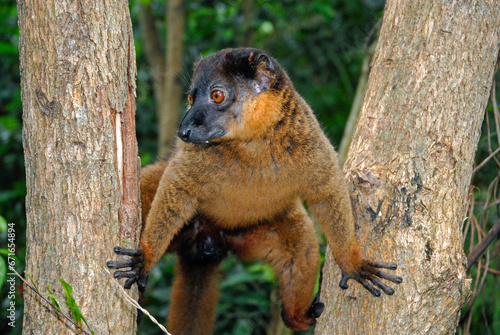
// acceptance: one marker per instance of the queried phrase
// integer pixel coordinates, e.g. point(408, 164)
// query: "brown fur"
point(253, 179)
point(194, 299)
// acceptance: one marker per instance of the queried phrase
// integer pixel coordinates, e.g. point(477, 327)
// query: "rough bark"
point(78, 91)
point(168, 109)
point(410, 165)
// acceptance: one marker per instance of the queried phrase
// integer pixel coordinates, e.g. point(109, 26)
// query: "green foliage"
point(244, 305)
point(71, 303)
point(486, 309)
point(33, 282)
point(51, 295)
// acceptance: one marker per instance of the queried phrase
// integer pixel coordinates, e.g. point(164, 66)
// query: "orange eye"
point(190, 99)
point(218, 96)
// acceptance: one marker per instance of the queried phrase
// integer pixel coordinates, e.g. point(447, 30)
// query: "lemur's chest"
point(242, 195)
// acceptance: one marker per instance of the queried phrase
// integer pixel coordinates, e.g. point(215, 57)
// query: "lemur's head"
point(234, 94)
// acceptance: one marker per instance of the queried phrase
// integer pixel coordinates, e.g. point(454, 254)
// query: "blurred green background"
point(321, 44)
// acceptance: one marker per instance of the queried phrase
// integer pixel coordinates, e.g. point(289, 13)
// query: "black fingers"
point(387, 290)
point(129, 282)
point(390, 266)
point(370, 288)
point(394, 279)
point(369, 271)
point(128, 252)
point(124, 274)
point(343, 281)
point(135, 274)
point(120, 264)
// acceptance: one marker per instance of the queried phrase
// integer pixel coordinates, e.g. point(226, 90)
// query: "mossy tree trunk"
point(410, 164)
point(78, 91)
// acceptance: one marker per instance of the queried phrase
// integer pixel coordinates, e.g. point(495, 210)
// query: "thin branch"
point(488, 132)
point(495, 112)
point(492, 271)
point(50, 303)
point(372, 36)
point(486, 160)
point(481, 247)
point(134, 303)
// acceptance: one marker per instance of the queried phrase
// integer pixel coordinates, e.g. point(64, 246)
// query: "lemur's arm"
point(167, 207)
point(329, 202)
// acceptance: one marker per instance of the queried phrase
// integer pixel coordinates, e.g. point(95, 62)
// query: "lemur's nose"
point(184, 134)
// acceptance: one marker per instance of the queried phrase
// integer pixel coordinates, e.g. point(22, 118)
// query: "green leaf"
point(68, 290)
point(71, 303)
point(8, 49)
point(237, 279)
point(3, 224)
point(88, 325)
point(32, 282)
point(10, 122)
point(52, 297)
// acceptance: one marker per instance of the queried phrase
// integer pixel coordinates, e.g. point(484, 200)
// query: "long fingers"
point(129, 282)
point(394, 279)
point(369, 272)
point(343, 281)
point(124, 274)
point(387, 290)
point(390, 266)
point(135, 263)
point(127, 252)
point(370, 288)
point(382, 274)
point(120, 264)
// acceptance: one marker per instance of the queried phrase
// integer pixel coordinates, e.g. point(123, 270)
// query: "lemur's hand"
point(369, 271)
point(136, 263)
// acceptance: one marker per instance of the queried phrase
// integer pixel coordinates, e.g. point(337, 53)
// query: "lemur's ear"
point(265, 73)
point(252, 64)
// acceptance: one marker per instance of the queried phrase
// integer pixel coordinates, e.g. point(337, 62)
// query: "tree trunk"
point(168, 109)
point(78, 90)
point(410, 165)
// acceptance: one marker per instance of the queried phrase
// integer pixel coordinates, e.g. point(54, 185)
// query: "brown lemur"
point(250, 153)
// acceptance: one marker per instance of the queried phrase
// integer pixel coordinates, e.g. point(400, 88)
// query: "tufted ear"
point(254, 65)
point(265, 73)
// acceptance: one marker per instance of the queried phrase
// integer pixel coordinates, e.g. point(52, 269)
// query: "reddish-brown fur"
point(194, 299)
point(254, 178)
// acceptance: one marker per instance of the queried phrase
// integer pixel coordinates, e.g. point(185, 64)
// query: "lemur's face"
point(223, 93)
